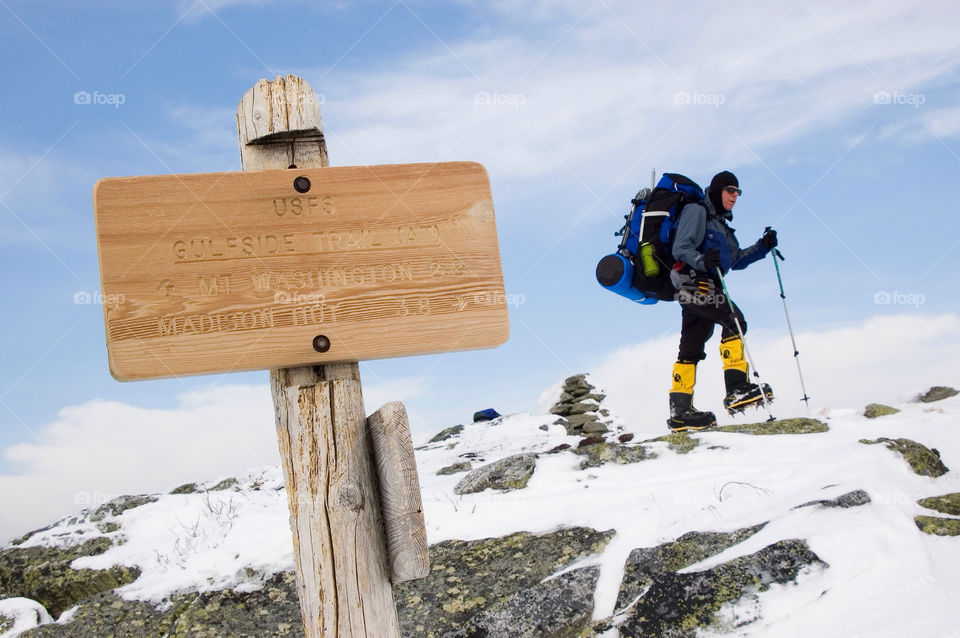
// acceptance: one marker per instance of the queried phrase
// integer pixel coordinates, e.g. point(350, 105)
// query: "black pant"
point(698, 321)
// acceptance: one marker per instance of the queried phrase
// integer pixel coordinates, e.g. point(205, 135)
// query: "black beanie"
point(720, 181)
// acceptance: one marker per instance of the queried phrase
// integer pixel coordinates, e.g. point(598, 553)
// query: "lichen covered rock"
point(938, 526)
point(44, 574)
point(683, 604)
point(874, 410)
point(604, 452)
point(780, 426)
point(938, 393)
point(510, 473)
point(470, 577)
point(679, 442)
point(646, 563)
point(850, 499)
point(923, 460)
point(561, 606)
point(947, 504)
point(454, 468)
point(120, 505)
point(447, 433)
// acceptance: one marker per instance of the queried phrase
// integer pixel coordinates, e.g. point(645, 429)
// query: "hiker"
point(705, 242)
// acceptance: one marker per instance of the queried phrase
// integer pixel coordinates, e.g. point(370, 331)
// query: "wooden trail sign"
point(222, 272)
point(305, 269)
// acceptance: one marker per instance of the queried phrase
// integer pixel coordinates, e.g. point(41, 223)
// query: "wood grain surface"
point(218, 272)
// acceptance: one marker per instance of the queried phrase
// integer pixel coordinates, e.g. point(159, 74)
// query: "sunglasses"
point(733, 190)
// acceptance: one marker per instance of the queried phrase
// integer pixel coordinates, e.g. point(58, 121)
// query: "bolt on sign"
point(222, 272)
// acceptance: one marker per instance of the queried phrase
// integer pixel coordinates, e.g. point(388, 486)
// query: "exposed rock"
point(938, 526)
point(850, 499)
point(186, 488)
point(780, 426)
point(561, 606)
point(679, 442)
point(874, 410)
point(44, 574)
point(923, 460)
point(456, 468)
point(270, 611)
point(225, 484)
point(625, 438)
point(647, 563)
point(594, 427)
point(947, 504)
point(511, 473)
point(447, 433)
point(469, 577)
point(604, 452)
point(590, 440)
point(937, 393)
point(120, 505)
point(579, 405)
point(684, 604)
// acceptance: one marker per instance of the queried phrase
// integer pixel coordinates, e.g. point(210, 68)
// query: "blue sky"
point(841, 122)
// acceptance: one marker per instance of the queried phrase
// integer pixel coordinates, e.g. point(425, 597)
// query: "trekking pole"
point(733, 313)
point(796, 353)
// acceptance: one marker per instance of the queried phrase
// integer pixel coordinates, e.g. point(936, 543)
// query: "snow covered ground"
point(885, 577)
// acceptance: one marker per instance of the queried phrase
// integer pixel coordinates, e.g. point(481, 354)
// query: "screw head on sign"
point(321, 343)
point(301, 184)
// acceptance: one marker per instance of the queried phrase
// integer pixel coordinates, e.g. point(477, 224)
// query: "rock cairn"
point(579, 408)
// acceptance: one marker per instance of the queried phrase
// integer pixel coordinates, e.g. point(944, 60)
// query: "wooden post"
point(400, 493)
point(343, 575)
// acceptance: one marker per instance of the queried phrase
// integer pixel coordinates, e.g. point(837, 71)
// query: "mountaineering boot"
point(683, 416)
point(741, 393)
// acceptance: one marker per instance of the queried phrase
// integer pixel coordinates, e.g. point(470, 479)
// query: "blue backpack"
point(640, 269)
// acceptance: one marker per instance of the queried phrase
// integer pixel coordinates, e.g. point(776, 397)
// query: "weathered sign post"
point(304, 269)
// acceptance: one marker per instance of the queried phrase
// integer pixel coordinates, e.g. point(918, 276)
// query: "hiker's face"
point(728, 199)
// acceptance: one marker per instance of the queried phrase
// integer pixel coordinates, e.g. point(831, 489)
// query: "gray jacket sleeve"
point(691, 229)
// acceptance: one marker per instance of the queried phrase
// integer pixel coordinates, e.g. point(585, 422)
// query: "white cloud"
point(883, 359)
point(598, 88)
point(101, 449)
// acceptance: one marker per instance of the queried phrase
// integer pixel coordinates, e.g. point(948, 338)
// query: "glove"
point(711, 259)
point(769, 239)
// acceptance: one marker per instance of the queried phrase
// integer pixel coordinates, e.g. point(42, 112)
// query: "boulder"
point(455, 468)
point(923, 460)
point(938, 393)
point(875, 410)
point(603, 452)
point(686, 604)
point(470, 577)
point(947, 504)
point(938, 526)
point(850, 499)
point(447, 433)
point(647, 563)
point(561, 606)
point(780, 426)
point(511, 473)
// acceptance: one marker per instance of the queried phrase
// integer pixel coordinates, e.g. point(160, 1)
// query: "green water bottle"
point(650, 266)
